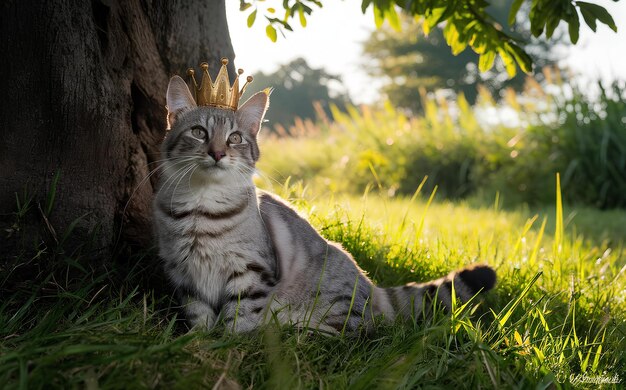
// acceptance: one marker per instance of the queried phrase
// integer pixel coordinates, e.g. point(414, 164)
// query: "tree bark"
point(83, 93)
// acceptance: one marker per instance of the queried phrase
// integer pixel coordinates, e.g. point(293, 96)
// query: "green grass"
point(514, 148)
point(556, 319)
point(558, 309)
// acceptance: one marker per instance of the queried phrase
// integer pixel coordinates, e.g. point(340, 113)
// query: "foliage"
point(586, 143)
point(380, 148)
point(408, 60)
point(593, 143)
point(557, 313)
point(467, 23)
point(296, 87)
point(539, 133)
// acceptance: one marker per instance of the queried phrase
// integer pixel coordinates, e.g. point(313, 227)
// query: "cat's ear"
point(179, 99)
point(250, 115)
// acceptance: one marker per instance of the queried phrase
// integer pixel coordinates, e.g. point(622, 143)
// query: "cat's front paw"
point(199, 316)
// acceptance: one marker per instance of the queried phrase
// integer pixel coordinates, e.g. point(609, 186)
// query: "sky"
point(334, 34)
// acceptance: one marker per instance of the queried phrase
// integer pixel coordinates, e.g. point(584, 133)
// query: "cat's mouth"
point(210, 165)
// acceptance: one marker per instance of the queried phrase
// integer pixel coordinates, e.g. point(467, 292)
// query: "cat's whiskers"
point(244, 173)
point(172, 178)
point(163, 162)
point(190, 168)
point(155, 170)
point(268, 180)
point(151, 173)
point(281, 180)
point(190, 176)
point(240, 170)
point(174, 161)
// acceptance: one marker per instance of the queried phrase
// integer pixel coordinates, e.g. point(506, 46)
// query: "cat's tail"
point(413, 300)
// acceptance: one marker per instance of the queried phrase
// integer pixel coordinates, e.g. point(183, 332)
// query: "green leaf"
point(302, 17)
point(521, 57)
point(537, 19)
point(251, 18)
point(599, 13)
point(392, 17)
point(270, 31)
point(573, 25)
point(365, 4)
point(435, 17)
point(514, 10)
point(453, 39)
point(478, 44)
point(450, 9)
point(485, 61)
point(379, 16)
point(509, 63)
point(589, 18)
point(425, 28)
point(551, 25)
point(307, 9)
point(283, 23)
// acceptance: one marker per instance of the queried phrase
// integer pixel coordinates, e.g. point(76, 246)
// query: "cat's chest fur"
point(208, 236)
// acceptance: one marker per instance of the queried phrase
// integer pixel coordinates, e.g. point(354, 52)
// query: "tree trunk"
point(83, 93)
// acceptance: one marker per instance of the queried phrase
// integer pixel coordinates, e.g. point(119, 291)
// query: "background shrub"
point(464, 151)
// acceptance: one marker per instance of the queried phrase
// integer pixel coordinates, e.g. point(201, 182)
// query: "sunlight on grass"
point(558, 295)
point(379, 183)
point(553, 313)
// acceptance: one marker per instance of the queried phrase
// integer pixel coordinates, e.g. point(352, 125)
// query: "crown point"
point(219, 92)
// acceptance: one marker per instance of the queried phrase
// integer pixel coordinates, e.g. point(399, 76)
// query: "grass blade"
point(506, 313)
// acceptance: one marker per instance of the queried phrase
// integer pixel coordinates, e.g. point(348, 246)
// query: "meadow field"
point(411, 199)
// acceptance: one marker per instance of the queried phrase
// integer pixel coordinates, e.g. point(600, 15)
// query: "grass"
point(514, 148)
point(556, 318)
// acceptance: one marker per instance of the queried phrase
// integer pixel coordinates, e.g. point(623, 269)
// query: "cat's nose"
point(217, 154)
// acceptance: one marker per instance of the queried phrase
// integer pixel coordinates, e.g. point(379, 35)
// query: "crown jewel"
point(218, 93)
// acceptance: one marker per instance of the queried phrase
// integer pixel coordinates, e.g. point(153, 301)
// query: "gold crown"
point(220, 93)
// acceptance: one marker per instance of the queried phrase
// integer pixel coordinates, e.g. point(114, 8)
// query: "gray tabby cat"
point(242, 256)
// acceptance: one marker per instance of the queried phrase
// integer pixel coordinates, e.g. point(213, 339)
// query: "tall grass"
point(556, 319)
point(557, 315)
point(559, 294)
point(514, 149)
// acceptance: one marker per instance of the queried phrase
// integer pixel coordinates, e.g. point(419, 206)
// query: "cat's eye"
point(234, 138)
point(198, 132)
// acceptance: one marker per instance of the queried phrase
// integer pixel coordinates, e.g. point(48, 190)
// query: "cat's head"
point(218, 143)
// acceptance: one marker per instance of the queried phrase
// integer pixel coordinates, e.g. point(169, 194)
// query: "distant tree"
point(296, 87)
point(409, 60)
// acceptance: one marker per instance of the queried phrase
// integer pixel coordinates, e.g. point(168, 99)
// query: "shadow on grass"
point(69, 319)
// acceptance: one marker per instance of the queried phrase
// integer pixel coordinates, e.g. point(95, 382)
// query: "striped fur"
point(244, 256)
point(321, 275)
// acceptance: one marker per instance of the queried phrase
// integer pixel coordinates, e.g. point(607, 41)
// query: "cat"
point(241, 256)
